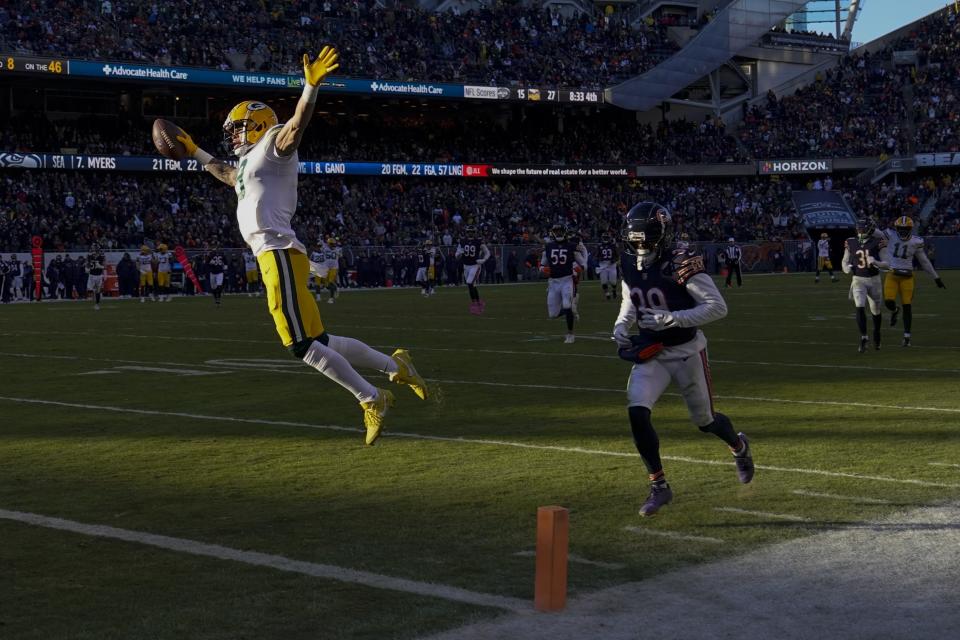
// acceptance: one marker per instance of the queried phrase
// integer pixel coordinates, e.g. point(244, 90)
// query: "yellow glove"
point(314, 72)
point(188, 143)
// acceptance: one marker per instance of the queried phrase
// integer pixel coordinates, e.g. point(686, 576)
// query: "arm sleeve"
point(628, 312)
point(459, 252)
point(925, 262)
point(484, 253)
point(710, 304)
point(543, 258)
point(845, 263)
point(580, 255)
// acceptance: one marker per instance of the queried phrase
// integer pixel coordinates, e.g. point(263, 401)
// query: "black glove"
point(940, 284)
point(642, 348)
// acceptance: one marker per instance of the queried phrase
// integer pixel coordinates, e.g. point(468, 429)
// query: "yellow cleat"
point(374, 413)
point(407, 374)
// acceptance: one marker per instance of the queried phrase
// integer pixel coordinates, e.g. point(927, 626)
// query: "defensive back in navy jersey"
point(860, 251)
point(663, 287)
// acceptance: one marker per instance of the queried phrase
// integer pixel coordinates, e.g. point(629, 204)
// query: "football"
point(165, 139)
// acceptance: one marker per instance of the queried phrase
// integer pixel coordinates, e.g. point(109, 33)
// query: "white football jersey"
point(331, 257)
point(164, 261)
point(823, 248)
point(267, 196)
point(145, 262)
point(900, 253)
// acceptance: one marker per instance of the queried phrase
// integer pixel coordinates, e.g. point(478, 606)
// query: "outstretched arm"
point(314, 72)
point(218, 168)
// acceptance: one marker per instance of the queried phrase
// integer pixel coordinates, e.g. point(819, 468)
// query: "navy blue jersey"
point(560, 258)
point(859, 252)
point(216, 263)
point(470, 251)
point(607, 252)
point(663, 287)
point(423, 258)
point(95, 264)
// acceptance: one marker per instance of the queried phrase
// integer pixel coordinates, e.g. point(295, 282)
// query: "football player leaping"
point(266, 185)
point(669, 295)
point(902, 247)
point(607, 267)
point(861, 257)
point(473, 252)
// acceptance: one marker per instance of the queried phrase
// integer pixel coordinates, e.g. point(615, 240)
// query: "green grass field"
point(189, 421)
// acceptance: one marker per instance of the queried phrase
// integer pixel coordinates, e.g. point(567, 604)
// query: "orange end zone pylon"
point(553, 528)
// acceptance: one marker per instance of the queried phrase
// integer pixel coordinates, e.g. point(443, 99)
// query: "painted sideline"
point(281, 563)
point(478, 441)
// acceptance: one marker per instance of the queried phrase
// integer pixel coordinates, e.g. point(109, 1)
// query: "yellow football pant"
point(163, 278)
point(146, 278)
point(894, 284)
point(252, 277)
point(286, 273)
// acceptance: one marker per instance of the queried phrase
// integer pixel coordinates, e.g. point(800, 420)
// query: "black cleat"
point(876, 345)
point(906, 341)
point(893, 316)
point(863, 346)
point(660, 495)
point(744, 460)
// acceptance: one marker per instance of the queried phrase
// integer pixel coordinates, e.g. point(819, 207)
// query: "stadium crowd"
point(502, 42)
point(123, 210)
point(462, 136)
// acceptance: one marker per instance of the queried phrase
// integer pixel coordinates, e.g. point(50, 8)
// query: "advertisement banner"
point(946, 159)
point(823, 210)
point(157, 164)
point(179, 75)
point(770, 167)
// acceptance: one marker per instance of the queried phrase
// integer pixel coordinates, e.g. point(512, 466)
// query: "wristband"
point(202, 157)
point(310, 92)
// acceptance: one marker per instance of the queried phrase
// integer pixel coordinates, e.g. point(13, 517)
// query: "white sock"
point(360, 355)
point(335, 366)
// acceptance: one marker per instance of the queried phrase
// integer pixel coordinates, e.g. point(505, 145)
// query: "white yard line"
point(577, 559)
point(646, 531)
point(944, 464)
point(477, 441)
point(833, 496)
point(763, 514)
point(331, 572)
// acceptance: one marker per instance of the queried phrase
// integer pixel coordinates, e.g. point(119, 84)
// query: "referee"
point(733, 254)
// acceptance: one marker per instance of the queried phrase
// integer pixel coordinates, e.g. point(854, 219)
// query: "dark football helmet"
point(865, 227)
point(606, 238)
point(470, 231)
point(558, 232)
point(647, 233)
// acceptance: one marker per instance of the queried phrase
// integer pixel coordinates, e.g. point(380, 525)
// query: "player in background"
point(331, 262)
point(607, 267)
point(472, 252)
point(861, 258)
point(578, 269)
point(216, 264)
point(96, 268)
point(560, 259)
point(668, 295)
point(252, 274)
point(733, 254)
point(265, 182)
point(823, 258)
point(145, 262)
point(426, 263)
point(902, 247)
point(165, 259)
point(318, 269)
